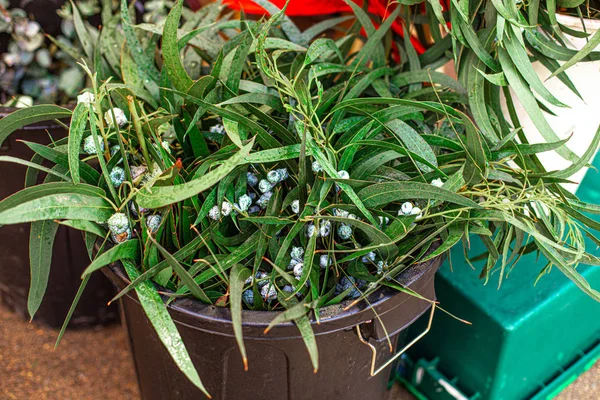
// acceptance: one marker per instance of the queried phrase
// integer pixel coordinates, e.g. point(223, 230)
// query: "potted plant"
point(298, 188)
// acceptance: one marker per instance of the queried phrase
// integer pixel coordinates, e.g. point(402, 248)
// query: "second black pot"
point(279, 365)
point(69, 257)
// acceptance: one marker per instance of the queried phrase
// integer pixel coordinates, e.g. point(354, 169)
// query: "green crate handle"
point(374, 372)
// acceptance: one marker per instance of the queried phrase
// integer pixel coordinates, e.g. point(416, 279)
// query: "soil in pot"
point(69, 259)
point(279, 365)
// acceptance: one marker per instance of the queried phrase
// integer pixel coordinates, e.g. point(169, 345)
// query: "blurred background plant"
point(38, 67)
point(32, 68)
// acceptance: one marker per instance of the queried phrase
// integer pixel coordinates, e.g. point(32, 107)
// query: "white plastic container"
point(582, 119)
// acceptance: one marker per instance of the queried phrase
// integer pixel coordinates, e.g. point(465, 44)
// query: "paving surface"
point(95, 365)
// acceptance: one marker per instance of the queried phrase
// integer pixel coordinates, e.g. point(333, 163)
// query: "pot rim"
point(196, 315)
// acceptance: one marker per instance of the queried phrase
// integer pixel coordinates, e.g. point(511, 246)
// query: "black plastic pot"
point(279, 366)
point(69, 258)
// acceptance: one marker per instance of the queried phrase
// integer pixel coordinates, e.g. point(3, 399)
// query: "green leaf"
point(477, 98)
point(147, 69)
point(86, 40)
point(76, 130)
point(41, 241)
point(582, 162)
point(231, 129)
point(319, 48)
point(236, 256)
point(173, 64)
point(476, 165)
point(385, 245)
point(31, 115)
point(428, 76)
point(85, 226)
point(160, 196)
point(381, 194)
point(320, 27)
point(257, 98)
point(182, 273)
point(530, 104)
point(34, 165)
point(237, 279)
point(553, 50)
point(274, 155)
point(159, 317)
point(305, 328)
point(570, 272)
point(570, 3)
point(287, 25)
point(520, 58)
point(59, 156)
point(296, 311)
point(585, 51)
point(127, 250)
point(437, 10)
point(413, 142)
point(455, 234)
point(82, 286)
point(59, 206)
point(375, 41)
point(497, 79)
point(35, 192)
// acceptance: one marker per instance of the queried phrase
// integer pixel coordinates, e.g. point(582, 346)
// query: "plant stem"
point(139, 132)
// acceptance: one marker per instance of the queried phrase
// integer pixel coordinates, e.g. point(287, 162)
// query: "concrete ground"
point(95, 365)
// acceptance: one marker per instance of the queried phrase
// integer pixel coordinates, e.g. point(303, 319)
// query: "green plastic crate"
point(523, 338)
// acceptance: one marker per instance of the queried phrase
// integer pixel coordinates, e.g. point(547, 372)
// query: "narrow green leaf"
point(521, 60)
point(305, 328)
point(413, 142)
point(583, 161)
point(149, 72)
point(35, 192)
point(377, 238)
point(375, 41)
point(59, 156)
point(173, 64)
point(127, 250)
point(160, 196)
point(570, 272)
point(85, 226)
point(476, 165)
point(497, 79)
point(321, 47)
point(82, 286)
point(59, 206)
point(159, 317)
point(296, 311)
point(384, 193)
point(231, 129)
point(530, 104)
point(31, 115)
point(237, 279)
point(455, 233)
point(257, 98)
point(76, 130)
point(287, 25)
point(41, 241)
point(581, 54)
point(34, 165)
point(182, 273)
point(84, 36)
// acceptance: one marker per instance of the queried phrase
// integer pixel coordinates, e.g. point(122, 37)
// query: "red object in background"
point(298, 8)
point(305, 8)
